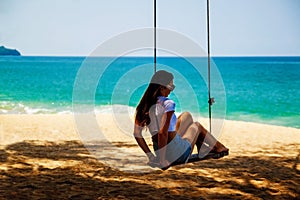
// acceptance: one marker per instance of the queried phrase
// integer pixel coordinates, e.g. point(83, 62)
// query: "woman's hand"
point(151, 157)
point(153, 160)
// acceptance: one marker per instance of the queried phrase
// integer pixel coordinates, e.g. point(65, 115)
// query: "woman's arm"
point(163, 136)
point(141, 142)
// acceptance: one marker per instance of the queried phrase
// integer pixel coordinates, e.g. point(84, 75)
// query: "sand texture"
point(44, 157)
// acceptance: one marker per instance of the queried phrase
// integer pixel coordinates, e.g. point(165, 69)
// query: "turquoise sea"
point(256, 89)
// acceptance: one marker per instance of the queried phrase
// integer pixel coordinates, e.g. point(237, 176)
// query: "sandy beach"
point(44, 157)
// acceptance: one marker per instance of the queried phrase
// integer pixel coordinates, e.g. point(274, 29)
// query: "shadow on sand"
point(66, 170)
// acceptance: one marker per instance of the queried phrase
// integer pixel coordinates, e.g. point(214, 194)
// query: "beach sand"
point(50, 157)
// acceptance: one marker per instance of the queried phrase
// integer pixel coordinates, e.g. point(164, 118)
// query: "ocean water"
point(256, 89)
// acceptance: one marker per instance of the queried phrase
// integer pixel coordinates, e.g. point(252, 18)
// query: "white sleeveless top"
point(156, 112)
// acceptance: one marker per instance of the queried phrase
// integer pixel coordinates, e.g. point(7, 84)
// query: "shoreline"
point(288, 122)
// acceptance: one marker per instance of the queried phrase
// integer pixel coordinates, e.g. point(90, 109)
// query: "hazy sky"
point(77, 27)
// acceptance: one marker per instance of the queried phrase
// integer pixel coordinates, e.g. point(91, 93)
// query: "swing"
point(193, 157)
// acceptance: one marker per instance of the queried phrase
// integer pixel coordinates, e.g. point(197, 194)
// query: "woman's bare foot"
point(219, 148)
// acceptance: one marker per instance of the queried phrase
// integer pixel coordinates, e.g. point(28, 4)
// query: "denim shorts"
point(178, 150)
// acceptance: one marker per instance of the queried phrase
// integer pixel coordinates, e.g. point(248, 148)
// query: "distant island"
point(8, 52)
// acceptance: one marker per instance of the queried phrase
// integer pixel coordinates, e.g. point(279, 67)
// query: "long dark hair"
point(159, 80)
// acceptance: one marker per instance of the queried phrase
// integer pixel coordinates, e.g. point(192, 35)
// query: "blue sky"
point(77, 27)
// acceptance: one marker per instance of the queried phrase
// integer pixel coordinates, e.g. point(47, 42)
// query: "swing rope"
point(154, 39)
point(210, 99)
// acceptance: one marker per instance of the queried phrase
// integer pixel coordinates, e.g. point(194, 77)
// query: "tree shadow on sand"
point(67, 170)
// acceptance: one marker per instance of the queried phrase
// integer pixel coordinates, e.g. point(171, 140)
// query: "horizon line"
point(149, 56)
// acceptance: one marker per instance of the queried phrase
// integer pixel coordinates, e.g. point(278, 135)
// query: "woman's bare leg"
point(209, 139)
point(184, 121)
point(196, 134)
point(191, 134)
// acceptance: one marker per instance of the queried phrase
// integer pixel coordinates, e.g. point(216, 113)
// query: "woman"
point(173, 139)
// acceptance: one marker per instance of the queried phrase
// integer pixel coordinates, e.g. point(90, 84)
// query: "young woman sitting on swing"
point(173, 139)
